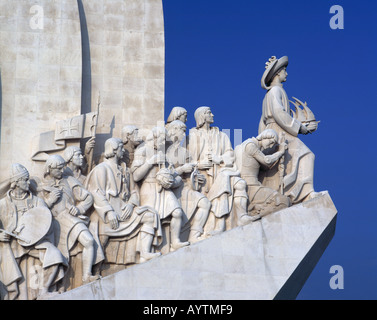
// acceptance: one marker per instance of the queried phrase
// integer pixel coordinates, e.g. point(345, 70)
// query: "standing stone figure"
point(249, 159)
point(69, 202)
point(213, 152)
point(131, 140)
point(27, 236)
point(117, 216)
point(195, 205)
point(157, 181)
point(276, 115)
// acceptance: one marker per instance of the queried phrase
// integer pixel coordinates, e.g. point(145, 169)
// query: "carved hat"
point(18, 171)
point(273, 66)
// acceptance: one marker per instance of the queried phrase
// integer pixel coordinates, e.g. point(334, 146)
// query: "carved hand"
point(153, 160)
point(90, 145)
point(187, 167)
point(201, 178)
point(283, 146)
point(74, 211)
point(312, 126)
point(303, 129)
point(4, 237)
point(112, 217)
point(55, 195)
point(216, 159)
point(204, 166)
point(127, 211)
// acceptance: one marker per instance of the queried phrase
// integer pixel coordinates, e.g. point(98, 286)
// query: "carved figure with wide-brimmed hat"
point(277, 115)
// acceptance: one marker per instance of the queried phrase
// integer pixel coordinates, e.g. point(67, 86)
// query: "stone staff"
point(90, 156)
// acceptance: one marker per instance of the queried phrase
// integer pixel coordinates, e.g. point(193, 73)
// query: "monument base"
point(268, 259)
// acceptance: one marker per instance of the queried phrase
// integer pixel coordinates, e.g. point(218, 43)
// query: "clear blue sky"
point(215, 56)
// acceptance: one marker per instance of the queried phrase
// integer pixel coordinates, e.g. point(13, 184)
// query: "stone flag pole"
point(57, 57)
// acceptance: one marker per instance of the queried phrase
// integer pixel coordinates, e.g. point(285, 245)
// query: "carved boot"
point(175, 230)
point(240, 209)
point(146, 244)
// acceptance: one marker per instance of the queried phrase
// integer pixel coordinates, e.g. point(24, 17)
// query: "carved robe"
point(162, 200)
point(188, 197)
point(112, 188)
point(299, 162)
point(221, 179)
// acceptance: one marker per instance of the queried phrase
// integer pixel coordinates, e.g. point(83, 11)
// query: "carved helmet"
point(18, 171)
point(273, 66)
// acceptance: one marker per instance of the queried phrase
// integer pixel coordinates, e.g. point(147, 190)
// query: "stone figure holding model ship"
point(276, 115)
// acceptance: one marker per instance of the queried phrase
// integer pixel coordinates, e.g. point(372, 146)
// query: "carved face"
point(78, 159)
point(267, 143)
point(120, 151)
point(283, 74)
point(183, 117)
point(23, 184)
point(176, 134)
point(208, 116)
point(136, 140)
point(57, 172)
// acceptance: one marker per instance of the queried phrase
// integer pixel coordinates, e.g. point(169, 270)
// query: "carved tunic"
point(221, 179)
point(249, 159)
point(189, 198)
point(299, 165)
point(11, 252)
point(162, 200)
point(69, 227)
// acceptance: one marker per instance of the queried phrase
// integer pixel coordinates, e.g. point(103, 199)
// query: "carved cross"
point(69, 128)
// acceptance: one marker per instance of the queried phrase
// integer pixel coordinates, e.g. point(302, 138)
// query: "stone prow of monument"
point(270, 258)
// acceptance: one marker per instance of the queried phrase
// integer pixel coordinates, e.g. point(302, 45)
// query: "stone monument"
point(101, 199)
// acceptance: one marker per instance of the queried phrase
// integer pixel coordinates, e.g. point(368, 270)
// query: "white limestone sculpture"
point(177, 113)
point(77, 163)
point(276, 114)
point(69, 202)
point(131, 140)
point(249, 159)
point(150, 169)
point(27, 243)
point(213, 152)
point(118, 217)
point(74, 162)
point(195, 204)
